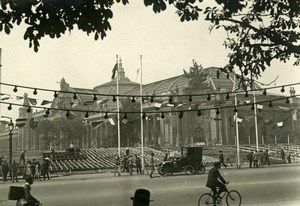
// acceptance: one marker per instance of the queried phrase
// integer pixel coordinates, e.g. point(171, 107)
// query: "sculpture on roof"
point(63, 84)
point(197, 77)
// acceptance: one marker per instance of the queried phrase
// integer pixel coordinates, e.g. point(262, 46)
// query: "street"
point(277, 185)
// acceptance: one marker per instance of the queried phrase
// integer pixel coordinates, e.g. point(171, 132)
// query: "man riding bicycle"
point(213, 180)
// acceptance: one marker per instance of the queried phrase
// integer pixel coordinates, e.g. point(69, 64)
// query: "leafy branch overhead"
point(258, 31)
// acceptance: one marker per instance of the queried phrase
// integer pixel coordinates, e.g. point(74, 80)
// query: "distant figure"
point(138, 164)
point(152, 166)
point(1, 160)
point(52, 150)
point(45, 169)
point(5, 170)
point(266, 157)
point(130, 164)
point(125, 163)
point(255, 159)
point(141, 198)
point(260, 159)
point(37, 171)
point(288, 157)
point(22, 157)
point(282, 154)
point(117, 165)
point(14, 168)
point(227, 159)
point(71, 148)
point(221, 158)
point(250, 159)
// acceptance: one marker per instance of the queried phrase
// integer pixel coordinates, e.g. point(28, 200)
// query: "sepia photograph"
point(149, 102)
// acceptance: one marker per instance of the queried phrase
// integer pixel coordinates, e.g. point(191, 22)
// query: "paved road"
point(267, 186)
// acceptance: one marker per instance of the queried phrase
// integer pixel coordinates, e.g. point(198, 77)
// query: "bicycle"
point(233, 197)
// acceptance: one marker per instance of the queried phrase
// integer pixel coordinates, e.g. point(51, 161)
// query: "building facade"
point(196, 108)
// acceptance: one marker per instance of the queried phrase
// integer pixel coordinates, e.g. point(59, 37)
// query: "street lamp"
point(11, 128)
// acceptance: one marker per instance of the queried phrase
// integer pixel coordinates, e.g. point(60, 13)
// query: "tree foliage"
point(258, 31)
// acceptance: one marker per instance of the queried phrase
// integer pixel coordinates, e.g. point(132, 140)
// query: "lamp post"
point(11, 128)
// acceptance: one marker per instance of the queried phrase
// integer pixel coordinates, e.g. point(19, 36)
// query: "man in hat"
point(213, 180)
point(141, 198)
point(152, 166)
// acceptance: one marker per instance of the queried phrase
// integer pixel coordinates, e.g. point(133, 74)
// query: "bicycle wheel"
point(205, 199)
point(233, 198)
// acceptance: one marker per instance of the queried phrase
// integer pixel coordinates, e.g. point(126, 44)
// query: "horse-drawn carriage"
point(190, 162)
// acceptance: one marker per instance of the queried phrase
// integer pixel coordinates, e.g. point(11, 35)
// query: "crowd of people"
point(131, 162)
point(25, 167)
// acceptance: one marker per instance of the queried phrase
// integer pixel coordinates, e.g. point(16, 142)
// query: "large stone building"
point(189, 109)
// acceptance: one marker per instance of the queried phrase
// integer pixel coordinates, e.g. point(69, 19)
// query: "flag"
point(32, 101)
point(89, 102)
point(279, 124)
point(44, 102)
point(96, 124)
point(21, 122)
point(283, 108)
point(237, 119)
point(295, 116)
point(111, 121)
point(5, 97)
point(157, 105)
point(114, 71)
point(19, 98)
point(137, 73)
point(4, 120)
point(259, 106)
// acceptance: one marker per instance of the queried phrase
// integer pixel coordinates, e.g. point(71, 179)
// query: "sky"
point(167, 47)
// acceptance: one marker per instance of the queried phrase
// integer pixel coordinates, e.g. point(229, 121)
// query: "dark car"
point(190, 162)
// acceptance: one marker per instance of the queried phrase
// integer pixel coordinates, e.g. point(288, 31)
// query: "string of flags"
point(69, 112)
point(153, 96)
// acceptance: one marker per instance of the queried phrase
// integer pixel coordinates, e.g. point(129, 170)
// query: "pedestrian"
point(250, 159)
point(288, 157)
point(138, 164)
point(27, 169)
point(32, 167)
point(22, 157)
point(282, 154)
point(227, 159)
point(152, 166)
point(31, 201)
point(14, 169)
point(117, 165)
point(37, 171)
point(125, 164)
point(260, 159)
point(1, 162)
point(221, 159)
point(255, 159)
point(130, 164)
point(5, 170)
point(141, 198)
point(266, 157)
point(45, 169)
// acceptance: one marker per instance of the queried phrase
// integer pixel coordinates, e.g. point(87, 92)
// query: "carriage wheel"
point(200, 169)
point(162, 171)
point(189, 170)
